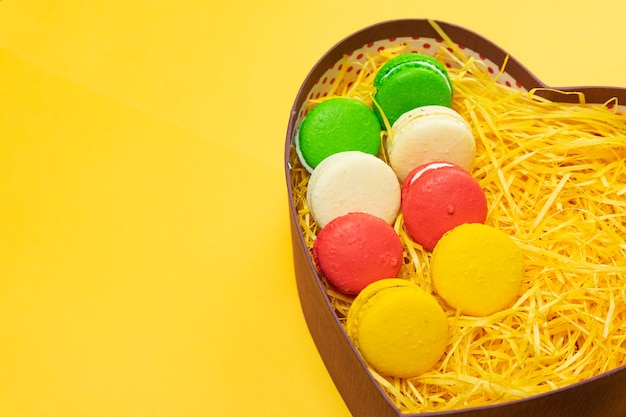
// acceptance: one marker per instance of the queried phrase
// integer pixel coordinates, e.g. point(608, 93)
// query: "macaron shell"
point(409, 81)
point(353, 181)
point(367, 293)
point(477, 269)
point(437, 197)
point(399, 329)
point(410, 59)
point(356, 249)
point(427, 134)
point(336, 125)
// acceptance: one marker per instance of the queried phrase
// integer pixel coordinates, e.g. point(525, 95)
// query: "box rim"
point(572, 396)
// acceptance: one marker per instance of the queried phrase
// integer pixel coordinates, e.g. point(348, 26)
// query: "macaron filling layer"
point(416, 64)
point(420, 171)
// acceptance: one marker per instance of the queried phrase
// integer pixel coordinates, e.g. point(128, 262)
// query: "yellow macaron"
point(399, 329)
point(477, 269)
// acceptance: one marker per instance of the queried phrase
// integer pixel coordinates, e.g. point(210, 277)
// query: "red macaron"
point(438, 196)
point(356, 249)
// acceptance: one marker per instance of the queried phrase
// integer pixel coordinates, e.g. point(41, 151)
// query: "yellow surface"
point(145, 265)
point(477, 269)
point(400, 329)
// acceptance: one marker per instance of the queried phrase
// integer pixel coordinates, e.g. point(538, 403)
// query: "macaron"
point(428, 134)
point(336, 125)
point(408, 81)
point(399, 329)
point(356, 249)
point(353, 181)
point(437, 197)
point(477, 269)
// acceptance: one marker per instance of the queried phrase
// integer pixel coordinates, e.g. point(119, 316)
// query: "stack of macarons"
point(402, 330)
point(339, 142)
point(407, 82)
point(355, 199)
point(352, 194)
point(430, 147)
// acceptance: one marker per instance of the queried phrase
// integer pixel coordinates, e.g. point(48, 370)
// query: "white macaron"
point(427, 134)
point(353, 181)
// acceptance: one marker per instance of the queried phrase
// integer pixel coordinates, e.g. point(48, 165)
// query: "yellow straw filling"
point(554, 177)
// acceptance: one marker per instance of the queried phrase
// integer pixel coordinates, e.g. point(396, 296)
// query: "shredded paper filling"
point(555, 180)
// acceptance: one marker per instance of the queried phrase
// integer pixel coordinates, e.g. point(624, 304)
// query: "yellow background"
point(145, 261)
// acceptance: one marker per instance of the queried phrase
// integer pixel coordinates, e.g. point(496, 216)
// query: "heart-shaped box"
point(602, 396)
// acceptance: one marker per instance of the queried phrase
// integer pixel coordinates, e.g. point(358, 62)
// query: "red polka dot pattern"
point(418, 44)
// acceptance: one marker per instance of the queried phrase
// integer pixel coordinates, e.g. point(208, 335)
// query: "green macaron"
point(409, 81)
point(337, 125)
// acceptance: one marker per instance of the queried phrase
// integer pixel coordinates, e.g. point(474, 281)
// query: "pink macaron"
point(357, 249)
point(438, 196)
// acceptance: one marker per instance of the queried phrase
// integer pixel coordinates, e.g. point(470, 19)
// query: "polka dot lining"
point(423, 45)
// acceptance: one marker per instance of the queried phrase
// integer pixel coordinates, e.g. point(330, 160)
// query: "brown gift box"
point(602, 396)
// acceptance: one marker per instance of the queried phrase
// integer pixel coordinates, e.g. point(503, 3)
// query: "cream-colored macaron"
point(427, 134)
point(399, 329)
point(353, 181)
